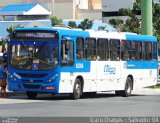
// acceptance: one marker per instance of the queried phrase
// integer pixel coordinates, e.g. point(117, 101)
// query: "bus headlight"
point(13, 77)
point(52, 78)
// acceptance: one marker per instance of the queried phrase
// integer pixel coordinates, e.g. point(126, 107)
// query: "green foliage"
point(3, 42)
point(56, 21)
point(72, 24)
point(86, 24)
point(132, 24)
point(125, 12)
point(11, 28)
point(155, 86)
point(156, 20)
point(117, 23)
point(137, 5)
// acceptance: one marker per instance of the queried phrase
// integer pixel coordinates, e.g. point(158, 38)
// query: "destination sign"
point(35, 34)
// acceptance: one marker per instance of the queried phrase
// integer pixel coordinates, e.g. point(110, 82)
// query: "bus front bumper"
point(36, 87)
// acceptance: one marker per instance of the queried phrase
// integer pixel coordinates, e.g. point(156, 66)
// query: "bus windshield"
point(33, 55)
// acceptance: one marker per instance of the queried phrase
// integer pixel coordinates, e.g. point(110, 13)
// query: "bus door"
point(67, 64)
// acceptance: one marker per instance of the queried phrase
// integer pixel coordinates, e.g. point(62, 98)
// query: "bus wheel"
point(31, 95)
point(90, 94)
point(128, 88)
point(118, 93)
point(77, 90)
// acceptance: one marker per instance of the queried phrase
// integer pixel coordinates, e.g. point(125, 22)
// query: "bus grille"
point(28, 86)
point(32, 75)
point(24, 80)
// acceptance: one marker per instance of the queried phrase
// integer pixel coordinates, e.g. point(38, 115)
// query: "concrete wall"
point(90, 14)
point(115, 5)
point(10, 2)
point(64, 10)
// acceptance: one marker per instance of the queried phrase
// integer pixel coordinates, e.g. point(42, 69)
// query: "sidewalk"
point(147, 91)
point(10, 93)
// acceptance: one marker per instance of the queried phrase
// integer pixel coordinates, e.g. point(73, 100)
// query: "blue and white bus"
point(62, 60)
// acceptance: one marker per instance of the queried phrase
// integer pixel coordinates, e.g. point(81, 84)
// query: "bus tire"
point(31, 95)
point(90, 94)
point(128, 88)
point(118, 93)
point(77, 90)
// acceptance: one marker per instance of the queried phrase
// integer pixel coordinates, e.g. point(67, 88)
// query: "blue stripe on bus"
point(80, 66)
point(141, 65)
point(141, 37)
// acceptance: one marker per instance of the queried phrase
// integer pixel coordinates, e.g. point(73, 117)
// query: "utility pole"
point(146, 17)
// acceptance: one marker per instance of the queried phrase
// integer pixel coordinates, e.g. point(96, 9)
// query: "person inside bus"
point(66, 57)
point(80, 55)
point(125, 55)
point(5, 54)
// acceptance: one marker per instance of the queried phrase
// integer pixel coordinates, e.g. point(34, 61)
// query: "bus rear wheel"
point(77, 90)
point(31, 95)
point(90, 94)
point(128, 88)
point(118, 93)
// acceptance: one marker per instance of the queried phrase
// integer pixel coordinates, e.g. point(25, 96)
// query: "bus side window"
point(102, 49)
point(147, 51)
point(125, 50)
point(67, 53)
point(136, 50)
point(114, 50)
point(154, 51)
point(80, 48)
point(90, 49)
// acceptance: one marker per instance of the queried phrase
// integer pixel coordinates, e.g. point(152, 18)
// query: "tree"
point(125, 12)
point(72, 24)
point(117, 23)
point(11, 28)
point(132, 24)
point(56, 21)
point(86, 24)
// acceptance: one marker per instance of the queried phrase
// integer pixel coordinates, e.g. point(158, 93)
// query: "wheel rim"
point(129, 88)
point(77, 89)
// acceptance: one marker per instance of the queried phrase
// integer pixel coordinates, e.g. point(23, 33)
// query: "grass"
point(155, 86)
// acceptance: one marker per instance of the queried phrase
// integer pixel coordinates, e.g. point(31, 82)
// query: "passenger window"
point(114, 50)
point(136, 50)
point(154, 51)
point(67, 54)
point(125, 50)
point(90, 49)
point(80, 49)
point(102, 49)
point(147, 50)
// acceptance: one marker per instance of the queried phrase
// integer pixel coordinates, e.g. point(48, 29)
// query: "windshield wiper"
point(25, 47)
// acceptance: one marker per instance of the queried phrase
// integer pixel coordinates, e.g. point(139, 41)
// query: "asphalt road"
point(141, 104)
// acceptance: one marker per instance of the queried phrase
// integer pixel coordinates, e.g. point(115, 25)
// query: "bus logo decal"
point(110, 70)
point(79, 65)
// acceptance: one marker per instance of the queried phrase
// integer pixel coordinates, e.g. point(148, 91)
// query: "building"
point(23, 15)
point(24, 12)
point(110, 8)
point(66, 9)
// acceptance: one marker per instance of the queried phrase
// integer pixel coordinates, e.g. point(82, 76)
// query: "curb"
point(16, 93)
